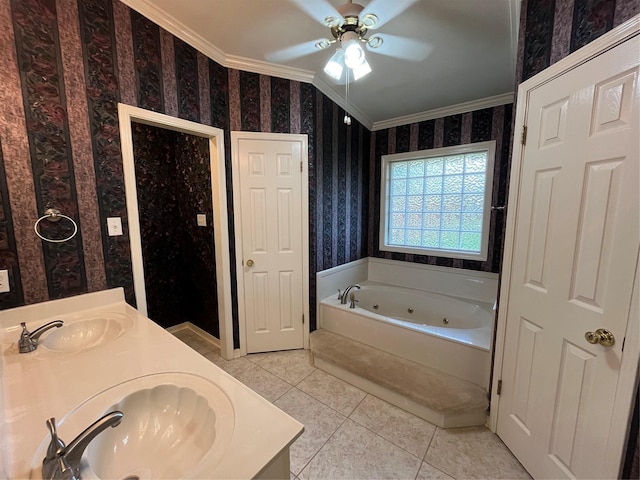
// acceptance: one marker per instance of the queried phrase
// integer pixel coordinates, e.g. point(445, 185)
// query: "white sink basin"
point(175, 425)
point(77, 335)
point(165, 432)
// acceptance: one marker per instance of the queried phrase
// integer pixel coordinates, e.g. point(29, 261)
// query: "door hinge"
point(623, 340)
point(300, 167)
point(523, 138)
point(499, 389)
point(303, 318)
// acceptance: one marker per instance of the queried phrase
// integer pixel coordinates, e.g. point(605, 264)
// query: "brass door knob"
point(249, 263)
point(601, 336)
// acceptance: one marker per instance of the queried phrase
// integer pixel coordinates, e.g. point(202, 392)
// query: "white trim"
point(602, 44)
point(465, 107)
point(336, 98)
point(629, 364)
point(127, 114)
point(237, 221)
point(266, 68)
point(625, 391)
point(606, 42)
point(180, 30)
point(490, 148)
point(196, 330)
point(177, 28)
point(188, 35)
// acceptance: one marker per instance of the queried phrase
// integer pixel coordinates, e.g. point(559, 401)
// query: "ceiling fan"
point(349, 24)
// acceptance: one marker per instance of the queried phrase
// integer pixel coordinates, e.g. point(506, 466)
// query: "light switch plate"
point(114, 226)
point(201, 219)
point(4, 281)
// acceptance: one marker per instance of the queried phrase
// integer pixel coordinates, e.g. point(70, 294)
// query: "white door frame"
point(237, 221)
point(128, 114)
point(627, 385)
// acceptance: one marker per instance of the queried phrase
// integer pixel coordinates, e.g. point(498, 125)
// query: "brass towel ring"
point(54, 215)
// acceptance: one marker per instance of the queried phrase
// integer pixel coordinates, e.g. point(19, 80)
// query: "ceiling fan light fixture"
point(353, 52)
point(361, 70)
point(334, 66)
point(353, 55)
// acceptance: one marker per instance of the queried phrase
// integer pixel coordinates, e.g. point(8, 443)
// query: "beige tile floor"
point(350, 434)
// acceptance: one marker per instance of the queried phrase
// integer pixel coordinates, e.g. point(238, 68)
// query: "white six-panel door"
point(272, 242)
point(575, 247)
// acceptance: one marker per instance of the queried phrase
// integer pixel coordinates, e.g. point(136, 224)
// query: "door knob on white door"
point(249, 263)
point(601, 336)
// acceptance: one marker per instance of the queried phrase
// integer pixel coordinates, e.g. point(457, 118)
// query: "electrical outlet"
point(201, 218)
point(4, 281)
point(114, 226)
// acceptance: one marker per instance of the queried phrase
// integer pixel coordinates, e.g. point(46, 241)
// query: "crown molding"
point(266, 68)
point(184, 33)
point(479, 104)
point(340, 101)
point(177, 28)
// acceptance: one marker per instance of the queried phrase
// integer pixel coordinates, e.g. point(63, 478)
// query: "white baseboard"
point(195, 329)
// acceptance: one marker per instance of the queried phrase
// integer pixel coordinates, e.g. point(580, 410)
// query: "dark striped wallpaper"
point(173, 178)
point(552, 29)
point(66, 65)
point(478, 126)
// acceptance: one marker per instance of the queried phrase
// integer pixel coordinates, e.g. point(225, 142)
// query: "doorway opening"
point(205, 145)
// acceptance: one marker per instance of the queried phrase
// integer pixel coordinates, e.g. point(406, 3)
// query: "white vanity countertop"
point(46, 383)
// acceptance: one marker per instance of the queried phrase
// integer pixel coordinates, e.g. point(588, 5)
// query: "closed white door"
point(574, 257)
point(272, 250)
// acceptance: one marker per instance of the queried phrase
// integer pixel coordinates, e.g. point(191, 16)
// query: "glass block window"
point(437, 202)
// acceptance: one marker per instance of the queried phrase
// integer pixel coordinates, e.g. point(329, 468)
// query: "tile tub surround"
point(392, 439)
point(32, 390)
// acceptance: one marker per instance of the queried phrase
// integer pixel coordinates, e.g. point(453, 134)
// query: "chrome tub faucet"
point(63, 462)
point(345, 295)
point(352, 299)
point(29, 340)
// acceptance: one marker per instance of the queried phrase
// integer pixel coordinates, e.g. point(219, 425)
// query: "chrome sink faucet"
point(29, 340)
point(345, 295)
point(63, 462)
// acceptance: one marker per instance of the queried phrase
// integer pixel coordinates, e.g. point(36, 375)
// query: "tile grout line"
point(346, 417)
point(425, 455)
point(326, 441)
point(386, 439)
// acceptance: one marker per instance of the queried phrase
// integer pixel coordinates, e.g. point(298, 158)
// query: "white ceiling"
point(462, 52)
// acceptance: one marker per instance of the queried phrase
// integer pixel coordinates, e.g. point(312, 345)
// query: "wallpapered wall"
point(479, 126)
point(66, 64)
point(549, 31)
point(552, 29)
point(173, 180)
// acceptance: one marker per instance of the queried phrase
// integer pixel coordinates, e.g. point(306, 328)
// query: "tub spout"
point(352, 299)
point(345, 293)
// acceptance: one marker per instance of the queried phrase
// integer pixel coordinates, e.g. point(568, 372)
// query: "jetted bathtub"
point(448, 333)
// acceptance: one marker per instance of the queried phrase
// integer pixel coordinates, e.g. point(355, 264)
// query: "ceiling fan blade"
point(319, 10)
point(293, 52)
point(402, 47)
point(386, 10)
